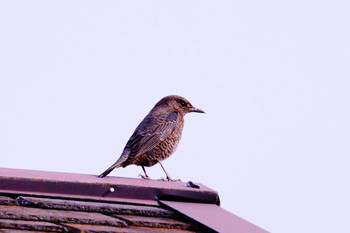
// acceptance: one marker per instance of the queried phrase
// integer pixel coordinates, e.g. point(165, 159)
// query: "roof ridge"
point(114, 189)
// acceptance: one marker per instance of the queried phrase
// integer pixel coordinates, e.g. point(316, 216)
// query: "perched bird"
point(157, 136)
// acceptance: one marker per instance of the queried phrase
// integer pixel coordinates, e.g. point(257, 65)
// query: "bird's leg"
point(167, 175)
point(144, 176)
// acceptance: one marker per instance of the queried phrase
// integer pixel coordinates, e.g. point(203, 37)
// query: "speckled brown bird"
point(157, 136)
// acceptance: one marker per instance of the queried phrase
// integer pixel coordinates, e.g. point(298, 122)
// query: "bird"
point(157, 136)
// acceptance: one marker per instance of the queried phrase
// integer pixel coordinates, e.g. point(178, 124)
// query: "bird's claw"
point(144, 177)
point(169, 179)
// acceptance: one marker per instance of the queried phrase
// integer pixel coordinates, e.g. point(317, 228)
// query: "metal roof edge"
point(114, 189)
point(213, 217)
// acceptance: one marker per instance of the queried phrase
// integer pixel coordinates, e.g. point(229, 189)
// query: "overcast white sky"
point(76, 77)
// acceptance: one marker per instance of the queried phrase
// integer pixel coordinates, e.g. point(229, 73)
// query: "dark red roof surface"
point(64, 202)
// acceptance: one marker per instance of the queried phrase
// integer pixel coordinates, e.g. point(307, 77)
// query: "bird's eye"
point(182, 103)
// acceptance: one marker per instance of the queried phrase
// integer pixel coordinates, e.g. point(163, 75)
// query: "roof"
point(66, 202)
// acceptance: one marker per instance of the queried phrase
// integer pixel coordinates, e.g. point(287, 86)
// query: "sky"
point(77, 77)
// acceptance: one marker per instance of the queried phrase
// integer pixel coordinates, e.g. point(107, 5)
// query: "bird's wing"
point(148, 138)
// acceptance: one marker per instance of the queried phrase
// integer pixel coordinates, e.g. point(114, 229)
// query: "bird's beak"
point(196, 110)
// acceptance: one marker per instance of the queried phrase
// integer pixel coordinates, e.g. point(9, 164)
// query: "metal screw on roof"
point(111, 189)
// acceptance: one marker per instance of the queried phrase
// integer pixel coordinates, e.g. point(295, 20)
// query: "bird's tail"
point(119, 163)
point(115, 165)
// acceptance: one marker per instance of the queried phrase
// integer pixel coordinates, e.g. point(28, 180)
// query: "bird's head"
point(179, 104)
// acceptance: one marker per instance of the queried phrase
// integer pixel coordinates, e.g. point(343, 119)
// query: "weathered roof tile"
point(25, 213)
point(31, 225)
point(110, 208)
point(155, 222)
point(108, 229)
point(7, 201)
point(19, 231)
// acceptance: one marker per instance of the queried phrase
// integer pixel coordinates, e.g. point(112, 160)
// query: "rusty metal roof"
point(67, 202)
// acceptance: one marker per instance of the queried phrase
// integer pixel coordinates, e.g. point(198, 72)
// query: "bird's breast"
point(162, 151)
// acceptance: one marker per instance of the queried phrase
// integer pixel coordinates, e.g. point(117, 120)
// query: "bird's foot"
point(170, 179)
point(145, 177)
